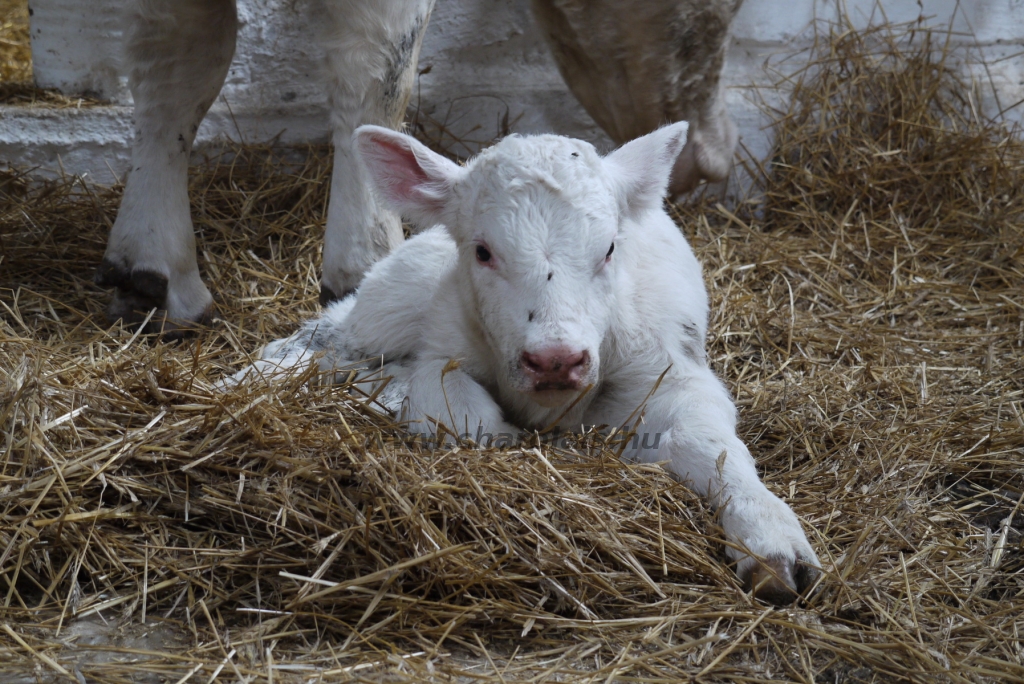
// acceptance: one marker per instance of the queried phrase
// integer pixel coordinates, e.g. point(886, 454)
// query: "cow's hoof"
point(138, 293)
point(328, 296)
point(780, 581)
point(707, 156)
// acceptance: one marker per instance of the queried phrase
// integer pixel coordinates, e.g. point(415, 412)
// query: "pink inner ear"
point(400, 172)
point(405, 170)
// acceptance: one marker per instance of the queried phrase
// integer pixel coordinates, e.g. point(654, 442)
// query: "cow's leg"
point(690, 423)
point(372, 48)
point(178, 55)
point(635, 66)
point(709, 148)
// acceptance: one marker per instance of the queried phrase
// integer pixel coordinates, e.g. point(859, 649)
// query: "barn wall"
point(484, 65)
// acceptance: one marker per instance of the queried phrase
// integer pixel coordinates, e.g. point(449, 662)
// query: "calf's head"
point(540, 223)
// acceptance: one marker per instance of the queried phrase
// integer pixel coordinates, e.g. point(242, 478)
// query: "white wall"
point(484, 58)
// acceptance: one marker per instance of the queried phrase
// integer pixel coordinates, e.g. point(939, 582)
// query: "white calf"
point(634, 66)
point(553, 290)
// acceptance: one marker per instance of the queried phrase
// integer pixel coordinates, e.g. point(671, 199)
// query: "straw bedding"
point(16, 85)
point(15, 53)
point(868, 313)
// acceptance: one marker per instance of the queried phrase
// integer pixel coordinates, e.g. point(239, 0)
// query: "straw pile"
point(868, 314)
point(15, 53)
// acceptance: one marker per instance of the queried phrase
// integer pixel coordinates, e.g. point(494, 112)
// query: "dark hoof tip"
point(150, 284)
point(143, 285)
point(775, 580)
point(806, 575)
point(169, 329)
point(137, 294)
point(110, 274)
point(328, 296)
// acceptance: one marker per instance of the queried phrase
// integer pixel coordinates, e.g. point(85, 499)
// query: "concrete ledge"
point(95, 142)
point(483, 63)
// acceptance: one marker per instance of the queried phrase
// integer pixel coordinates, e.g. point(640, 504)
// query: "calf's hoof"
point(780, 581)
point(139, 291)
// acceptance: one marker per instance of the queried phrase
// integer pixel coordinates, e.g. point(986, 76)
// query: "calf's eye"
point(483, 255)
point(610, 250)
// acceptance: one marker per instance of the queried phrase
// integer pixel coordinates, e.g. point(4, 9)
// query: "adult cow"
point(634, 66)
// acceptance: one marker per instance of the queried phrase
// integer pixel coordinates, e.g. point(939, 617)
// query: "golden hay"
point(16, 84)
point(15, 53)
point(868, 314)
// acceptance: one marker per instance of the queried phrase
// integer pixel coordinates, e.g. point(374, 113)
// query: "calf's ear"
point(411, 179)
point(641, 168)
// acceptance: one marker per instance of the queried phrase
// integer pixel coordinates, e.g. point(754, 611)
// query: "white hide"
point(452, 328)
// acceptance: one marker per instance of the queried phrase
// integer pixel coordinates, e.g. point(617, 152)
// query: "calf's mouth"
point(554, 396)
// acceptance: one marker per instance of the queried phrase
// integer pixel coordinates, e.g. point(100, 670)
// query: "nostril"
point(556, 361)
point(532, 363)
point(577, 360)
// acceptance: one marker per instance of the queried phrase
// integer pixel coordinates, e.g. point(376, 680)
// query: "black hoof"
point(327, 295)
point(110, 274)
point(137, 293)
point(777, 582)
point(806, 575)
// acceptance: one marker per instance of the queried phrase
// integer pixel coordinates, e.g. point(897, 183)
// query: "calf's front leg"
point(178, 55)
point(691, 424)
point(442, 394)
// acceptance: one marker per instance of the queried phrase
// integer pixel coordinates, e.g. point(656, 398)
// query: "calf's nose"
point(556, 368)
